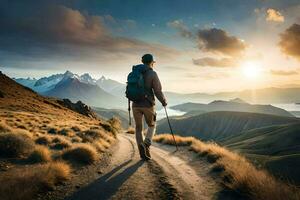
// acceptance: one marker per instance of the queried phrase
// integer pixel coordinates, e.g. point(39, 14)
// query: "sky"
point(199, 45)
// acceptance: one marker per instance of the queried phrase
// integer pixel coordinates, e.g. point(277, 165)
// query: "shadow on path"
point(107, 185)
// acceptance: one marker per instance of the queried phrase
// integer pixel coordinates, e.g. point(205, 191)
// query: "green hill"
point(219, 125)
point(276, 148)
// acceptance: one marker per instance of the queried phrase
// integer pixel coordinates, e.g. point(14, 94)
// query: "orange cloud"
point(274, 15)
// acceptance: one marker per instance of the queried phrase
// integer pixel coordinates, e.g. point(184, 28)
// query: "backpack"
point(135, 89)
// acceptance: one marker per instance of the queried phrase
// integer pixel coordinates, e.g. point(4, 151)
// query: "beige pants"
point(150, 118)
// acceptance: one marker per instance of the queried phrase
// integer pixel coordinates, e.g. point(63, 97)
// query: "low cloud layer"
point(284, 73)
point(290, 41)
point(274, 15)
point(213, 62)
point(219, 41)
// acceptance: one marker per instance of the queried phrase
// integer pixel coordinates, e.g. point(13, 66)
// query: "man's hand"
point(164, 104)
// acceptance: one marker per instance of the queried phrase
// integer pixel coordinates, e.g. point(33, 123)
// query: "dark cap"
point(147, 58)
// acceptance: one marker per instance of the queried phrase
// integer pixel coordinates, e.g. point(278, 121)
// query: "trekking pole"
point(129, 112)
point(171, 128)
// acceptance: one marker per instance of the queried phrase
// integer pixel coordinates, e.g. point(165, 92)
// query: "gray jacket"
point(152, 83)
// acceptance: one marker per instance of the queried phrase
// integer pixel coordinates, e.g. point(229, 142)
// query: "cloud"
point(290, 41)
point(213, 62)
point(119, 25)
point(284, 73)
point(181, 28)
point(274, 15)
point(59, 31)
point(218, 41)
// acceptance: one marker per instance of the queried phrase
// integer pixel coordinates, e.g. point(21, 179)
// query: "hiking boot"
point(147, 152)
point(144, 151)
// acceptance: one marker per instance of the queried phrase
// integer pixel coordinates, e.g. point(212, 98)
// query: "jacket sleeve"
point(156, 85)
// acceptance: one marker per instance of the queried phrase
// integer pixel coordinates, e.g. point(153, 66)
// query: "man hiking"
point(142, 84)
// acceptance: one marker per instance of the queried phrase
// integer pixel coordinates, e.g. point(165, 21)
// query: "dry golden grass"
point(43, 140)
point(15, 145)
point(130, 130)
point(168, 139)
point(60, 142)
point(25, 183)
point(91, 135)
point(27, 118)
point(76, 139)
point(4, 127)
point(76, 128)
point(101, 145)
point(115, 125)
point(81, 153)
point(40, 154)
point(238, 173)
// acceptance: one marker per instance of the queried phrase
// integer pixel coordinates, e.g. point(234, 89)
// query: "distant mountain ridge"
point(16, 96)
point(109, 113)
point(270, 95)
point(221, 124)
point(101, 93)
point(45, 84)
point(76, 90)
point(237, 104)
point(262, 96)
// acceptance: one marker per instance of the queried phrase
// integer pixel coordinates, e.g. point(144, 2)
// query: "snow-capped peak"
point(102, 79)
point(86, 78)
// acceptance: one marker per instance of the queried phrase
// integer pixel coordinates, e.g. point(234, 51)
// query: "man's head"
point(147, 59)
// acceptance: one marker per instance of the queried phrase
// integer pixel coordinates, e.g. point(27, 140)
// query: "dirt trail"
point(167, 176)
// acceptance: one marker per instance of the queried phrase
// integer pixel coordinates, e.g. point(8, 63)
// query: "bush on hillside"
point(39, 155)
point(81, 153)
point(43, 140)
point(130, 130)
point(24, 184)
point(15, 146)
point(60, 143)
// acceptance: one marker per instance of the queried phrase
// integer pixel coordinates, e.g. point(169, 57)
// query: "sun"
point(251, 70)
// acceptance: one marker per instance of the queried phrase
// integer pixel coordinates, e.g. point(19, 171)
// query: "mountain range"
point(262, 96)
point(74, 87)
point(236, 104)
point(270, 95)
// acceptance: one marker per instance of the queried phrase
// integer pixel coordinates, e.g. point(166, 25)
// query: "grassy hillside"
point(276, 148)
point(42, 142)
point(219, 125)
point(236, 172)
